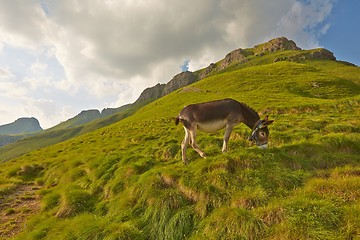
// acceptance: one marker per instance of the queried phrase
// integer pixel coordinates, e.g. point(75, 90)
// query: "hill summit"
point(236, 57)
point(276, 50)
point(21, 126)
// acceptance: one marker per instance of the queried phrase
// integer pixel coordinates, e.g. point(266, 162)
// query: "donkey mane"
point(250, 108)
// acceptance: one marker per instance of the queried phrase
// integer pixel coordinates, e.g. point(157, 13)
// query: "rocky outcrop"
point(151, 93)
point(159, 90)
point(238, 55)
point(277, 44)
point(21, 126)
point(319, 53)
point(206, 72)
point(180, 80)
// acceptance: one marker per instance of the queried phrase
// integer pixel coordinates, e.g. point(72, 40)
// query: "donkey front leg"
point(193, 143)
point(226, 137)
point(184, 144)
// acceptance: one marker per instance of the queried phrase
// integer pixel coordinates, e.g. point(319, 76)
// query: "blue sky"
point(343, 36)
point(59, 57)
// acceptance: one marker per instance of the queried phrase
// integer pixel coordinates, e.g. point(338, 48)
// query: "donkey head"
point(260, 133)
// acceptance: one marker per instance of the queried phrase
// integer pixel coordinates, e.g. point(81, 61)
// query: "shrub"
point(74, 201)
point(312, 219)
point(232, 223)
point(50, 200)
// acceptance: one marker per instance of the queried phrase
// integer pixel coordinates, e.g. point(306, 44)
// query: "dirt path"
point(16, 207)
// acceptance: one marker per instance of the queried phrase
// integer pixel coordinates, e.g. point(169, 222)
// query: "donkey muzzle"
point(263, 146)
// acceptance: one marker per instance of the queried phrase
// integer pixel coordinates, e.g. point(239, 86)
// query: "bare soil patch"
point(16, 207)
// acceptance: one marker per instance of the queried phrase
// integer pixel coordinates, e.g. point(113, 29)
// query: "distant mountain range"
point(19, 129)
point(21, 126)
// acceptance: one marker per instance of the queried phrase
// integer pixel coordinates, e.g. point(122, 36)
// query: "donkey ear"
point(266, 122)
point(269, 122)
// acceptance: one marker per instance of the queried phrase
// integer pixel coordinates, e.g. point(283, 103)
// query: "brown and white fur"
point(215, 115)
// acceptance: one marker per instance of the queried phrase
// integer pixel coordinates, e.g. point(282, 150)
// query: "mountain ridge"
point(126, 179)
point(275, 50)
point(22, 125)
point(238, 56)
point(185, 78)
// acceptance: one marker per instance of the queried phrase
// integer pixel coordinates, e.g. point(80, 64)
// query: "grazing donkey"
point(215, 115)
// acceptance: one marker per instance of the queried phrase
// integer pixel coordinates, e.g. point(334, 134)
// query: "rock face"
point(319, 53)
point(151, 93)
point(21, 126)
point(237, 56)
point(159, 90)
point(277, 44)
point(206, 72)
point(180, 80)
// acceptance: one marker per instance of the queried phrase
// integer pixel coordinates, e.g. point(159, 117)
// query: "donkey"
point(215, 115)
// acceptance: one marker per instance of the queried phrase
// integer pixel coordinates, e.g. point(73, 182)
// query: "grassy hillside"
point(127, 181)
point(61, 132)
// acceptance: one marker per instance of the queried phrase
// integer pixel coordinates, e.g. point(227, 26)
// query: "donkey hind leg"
point(226, 137)
point(184, 145)
point(193, 143)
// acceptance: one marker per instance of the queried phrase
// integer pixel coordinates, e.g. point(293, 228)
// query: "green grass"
point(127, 181)
point(61, 132)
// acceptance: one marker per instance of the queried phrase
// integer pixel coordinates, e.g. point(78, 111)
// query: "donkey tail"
point(185, 122)
point(177, 120)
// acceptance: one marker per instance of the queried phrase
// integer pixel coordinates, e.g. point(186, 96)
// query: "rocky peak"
point(85, 116)
point(91, 113)
point(21, 126)
point(277, 44)
point(238, 55)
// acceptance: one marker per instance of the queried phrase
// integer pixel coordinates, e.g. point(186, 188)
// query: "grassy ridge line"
point(127, 180)
point(60, 133)
point(282, 85)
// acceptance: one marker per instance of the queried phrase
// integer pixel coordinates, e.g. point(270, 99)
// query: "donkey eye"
point(262, 134)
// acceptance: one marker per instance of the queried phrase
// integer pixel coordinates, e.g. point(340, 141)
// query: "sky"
point(59, 57)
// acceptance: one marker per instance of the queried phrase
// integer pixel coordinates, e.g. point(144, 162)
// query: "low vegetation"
point(127, 181)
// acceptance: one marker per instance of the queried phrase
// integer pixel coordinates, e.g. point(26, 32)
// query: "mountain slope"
point(127, 181)
point(279, 49)
point(21, 126)
point(64, 131)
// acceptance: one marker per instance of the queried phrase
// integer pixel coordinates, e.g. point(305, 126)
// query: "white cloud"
point(12, 90)
point(46, 110)
point(110, 50)
point(304, 20)
point(5, 74)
